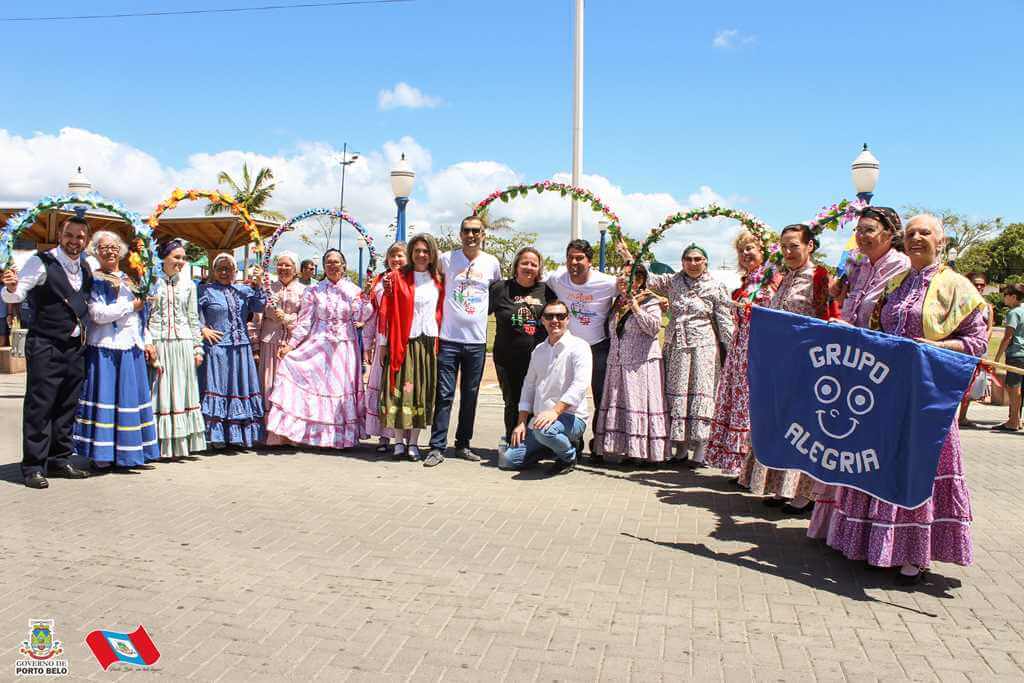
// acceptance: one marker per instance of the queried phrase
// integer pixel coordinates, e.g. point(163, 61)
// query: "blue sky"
point(768, 120)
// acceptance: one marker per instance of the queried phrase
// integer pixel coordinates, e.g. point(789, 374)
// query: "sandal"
point(382, 446)
point(1005, 428)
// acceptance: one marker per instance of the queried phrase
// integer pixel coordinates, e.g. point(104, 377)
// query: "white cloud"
point(404, 95)
point(729, 38)
point(309, 176)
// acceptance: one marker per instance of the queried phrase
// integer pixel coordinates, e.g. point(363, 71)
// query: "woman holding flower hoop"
point(276, 325)
point(374, 348)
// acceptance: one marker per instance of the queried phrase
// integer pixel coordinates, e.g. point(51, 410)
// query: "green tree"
point(962, 233)
point(498, 224)
point(1005, 255)
point(253, 194)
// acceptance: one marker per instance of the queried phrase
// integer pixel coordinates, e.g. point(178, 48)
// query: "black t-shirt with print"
point(516, 312)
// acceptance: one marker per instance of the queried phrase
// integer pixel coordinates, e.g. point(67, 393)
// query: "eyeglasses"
point(108, 248)
point(472, 231)
point(555, 316)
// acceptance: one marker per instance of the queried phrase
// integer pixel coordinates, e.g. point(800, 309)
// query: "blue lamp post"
point(602, 259)
point(402, 179)
point(864, 171)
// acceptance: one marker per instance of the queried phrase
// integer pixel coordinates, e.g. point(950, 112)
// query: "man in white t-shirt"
point(468, 274)
point(590, 295)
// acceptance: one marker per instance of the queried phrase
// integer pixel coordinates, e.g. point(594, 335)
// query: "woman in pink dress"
point(318, 396)
point(276, 323)
point(374, 344)
point(632, 423)
point(866, 528)
point(729, 443)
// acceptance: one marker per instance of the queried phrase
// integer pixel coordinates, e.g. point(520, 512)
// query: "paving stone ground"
point(294, 566)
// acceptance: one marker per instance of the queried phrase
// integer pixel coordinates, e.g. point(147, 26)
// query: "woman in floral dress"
point(700, 319)
point(884, 535)
point(803, 290)
point(632, 421)
point(729, 444)
point(373, 349)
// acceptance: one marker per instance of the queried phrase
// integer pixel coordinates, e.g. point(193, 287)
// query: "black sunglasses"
point(555, 316)
point(472, 231)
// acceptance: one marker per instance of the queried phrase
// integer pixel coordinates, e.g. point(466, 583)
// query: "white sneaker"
point(399, 450)
point(414, 452)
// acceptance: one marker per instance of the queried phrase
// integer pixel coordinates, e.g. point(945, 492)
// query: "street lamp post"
point(603, 227)
point(402, 179)
point(345, 162)
point(361, 243)
point(864, 171)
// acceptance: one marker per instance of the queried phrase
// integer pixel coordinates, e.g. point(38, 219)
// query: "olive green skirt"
point(409, 404)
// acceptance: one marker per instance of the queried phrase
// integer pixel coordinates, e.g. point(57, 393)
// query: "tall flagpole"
point(577, 117)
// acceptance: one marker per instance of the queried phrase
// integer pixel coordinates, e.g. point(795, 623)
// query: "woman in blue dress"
point(114, 424)
point(229, 383)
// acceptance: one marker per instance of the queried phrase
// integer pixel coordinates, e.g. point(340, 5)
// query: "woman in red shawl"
point(410, 319)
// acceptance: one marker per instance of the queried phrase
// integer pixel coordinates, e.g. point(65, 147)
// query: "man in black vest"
point(57, 283)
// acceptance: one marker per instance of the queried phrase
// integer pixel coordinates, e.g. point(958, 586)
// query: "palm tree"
point(252, 194)
point(503, 223)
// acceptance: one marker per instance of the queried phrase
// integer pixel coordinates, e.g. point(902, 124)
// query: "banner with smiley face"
point(852, 407)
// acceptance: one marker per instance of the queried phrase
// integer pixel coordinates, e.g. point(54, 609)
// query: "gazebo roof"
point(217, 233)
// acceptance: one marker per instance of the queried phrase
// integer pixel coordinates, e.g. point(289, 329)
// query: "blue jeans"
point(455, 358)
point(559, 437)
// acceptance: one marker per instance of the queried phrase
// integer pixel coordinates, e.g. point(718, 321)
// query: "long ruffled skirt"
point(632, 421)
point(179, 418)
point(373, 382)
point(729, 443)
point(318, 396)
point(865, 528)
point(114, 422)
point(408, 403)
point(232, 402)
point(691, 375)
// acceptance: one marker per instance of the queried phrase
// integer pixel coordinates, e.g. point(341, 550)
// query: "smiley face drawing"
point(859, 400)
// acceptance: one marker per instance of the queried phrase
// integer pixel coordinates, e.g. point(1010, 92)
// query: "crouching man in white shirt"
point(555, 394)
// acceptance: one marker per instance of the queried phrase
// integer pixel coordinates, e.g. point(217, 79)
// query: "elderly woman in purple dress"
point(318, 396)
point(931, 304)
point(632, 422)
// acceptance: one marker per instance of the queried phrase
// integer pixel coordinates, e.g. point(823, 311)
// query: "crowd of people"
point(125, 381)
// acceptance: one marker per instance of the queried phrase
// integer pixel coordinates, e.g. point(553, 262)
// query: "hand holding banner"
point(852, 407)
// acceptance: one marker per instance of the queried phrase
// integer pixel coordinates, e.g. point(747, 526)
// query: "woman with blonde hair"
point(729, 443)
point(374, 343)
point(410, 320)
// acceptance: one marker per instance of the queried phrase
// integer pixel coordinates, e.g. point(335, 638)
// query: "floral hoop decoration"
point(579, 194)
point(141, 252)
point(836, 216)
point(764, 234)
point(214, 197)
point(290, 225)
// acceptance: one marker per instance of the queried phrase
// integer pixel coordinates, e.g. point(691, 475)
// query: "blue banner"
point(850, 406)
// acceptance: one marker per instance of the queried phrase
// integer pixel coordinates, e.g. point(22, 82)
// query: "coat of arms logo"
point(41, 652)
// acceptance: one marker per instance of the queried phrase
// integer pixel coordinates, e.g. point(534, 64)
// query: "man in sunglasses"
point(555, 394)
point(468, 274)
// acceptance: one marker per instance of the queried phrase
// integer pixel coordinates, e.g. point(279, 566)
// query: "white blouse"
point(424, 314)
point(113, 323)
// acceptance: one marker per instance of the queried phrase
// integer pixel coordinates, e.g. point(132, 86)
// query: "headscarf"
point(167, 247)
point(695, 247)
point(889, 219)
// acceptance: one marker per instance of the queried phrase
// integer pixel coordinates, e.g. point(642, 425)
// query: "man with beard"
point(58, 283)
point(590, 295)
point(468, 275)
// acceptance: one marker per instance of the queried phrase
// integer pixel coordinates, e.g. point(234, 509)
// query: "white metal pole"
point(577, 118)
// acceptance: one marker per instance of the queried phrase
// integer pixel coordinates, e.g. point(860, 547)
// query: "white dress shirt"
point(33, 274)
point(558, 372)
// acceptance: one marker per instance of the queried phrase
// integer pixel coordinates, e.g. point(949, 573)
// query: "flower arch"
point(141, 248)
point(290, 225)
